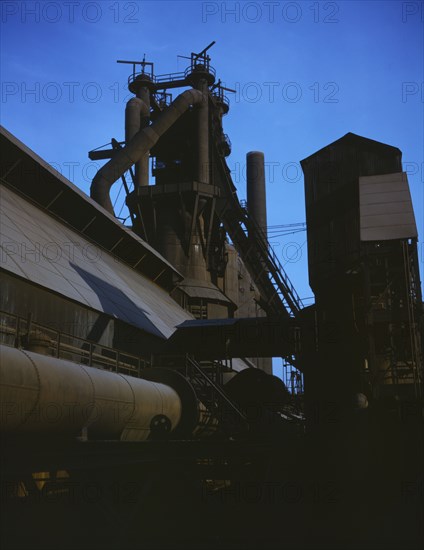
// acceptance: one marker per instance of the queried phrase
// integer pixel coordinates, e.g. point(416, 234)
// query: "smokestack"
point(256, 194)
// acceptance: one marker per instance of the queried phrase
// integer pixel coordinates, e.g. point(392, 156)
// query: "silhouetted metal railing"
point(17, 331)
point(214, 396)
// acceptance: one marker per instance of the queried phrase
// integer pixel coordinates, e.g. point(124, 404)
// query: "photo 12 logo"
point(412, 91)
point(412, 12)
point(69, 12)
point(289, 92)
point(270, 12)
point(64, 92)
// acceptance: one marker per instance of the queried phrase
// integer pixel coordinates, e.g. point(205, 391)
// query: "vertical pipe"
point(256, 194)
point(136, 118)
point(142, 166)
point(203, 133)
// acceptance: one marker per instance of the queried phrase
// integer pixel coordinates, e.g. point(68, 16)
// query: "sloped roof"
point(29, 175)
point(47, 252)
point(202, 289)
point(359, 142)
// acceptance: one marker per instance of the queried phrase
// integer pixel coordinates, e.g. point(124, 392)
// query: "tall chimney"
point(256, 194)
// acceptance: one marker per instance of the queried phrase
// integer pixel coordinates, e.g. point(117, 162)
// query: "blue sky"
point(305, 73)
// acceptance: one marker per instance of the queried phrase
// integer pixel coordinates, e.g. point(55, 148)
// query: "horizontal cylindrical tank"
point(41, 394)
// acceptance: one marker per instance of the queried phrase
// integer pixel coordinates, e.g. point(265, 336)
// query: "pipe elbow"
point(99, 192)
point(189, 97)
point(135, 111)
point(138, 142)
point(196, 96)
point(138, 105)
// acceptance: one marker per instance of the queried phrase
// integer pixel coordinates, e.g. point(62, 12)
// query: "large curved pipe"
point(142, 142)
point(137, 112)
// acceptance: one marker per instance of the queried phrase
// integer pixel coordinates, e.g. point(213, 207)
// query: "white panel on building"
point(385, 208)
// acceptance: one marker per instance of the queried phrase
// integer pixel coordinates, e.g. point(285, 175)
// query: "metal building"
point(363, 269)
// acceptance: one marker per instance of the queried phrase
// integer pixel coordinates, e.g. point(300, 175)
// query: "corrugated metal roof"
point(49, 253)
point(386, 210)
point(28, 174)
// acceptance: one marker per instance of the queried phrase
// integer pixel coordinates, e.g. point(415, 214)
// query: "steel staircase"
point(279, 297)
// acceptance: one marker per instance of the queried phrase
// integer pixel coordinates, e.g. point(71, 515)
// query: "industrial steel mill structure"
point(138, 405)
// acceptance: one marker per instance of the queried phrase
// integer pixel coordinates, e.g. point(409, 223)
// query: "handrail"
point(89, 353)
point(221, 97)
point(207, 69)
point(170, 77)
point(211, 383)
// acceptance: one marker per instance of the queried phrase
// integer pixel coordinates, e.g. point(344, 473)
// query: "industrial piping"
point(140, 144)
point(137, 113)
point(203, 135)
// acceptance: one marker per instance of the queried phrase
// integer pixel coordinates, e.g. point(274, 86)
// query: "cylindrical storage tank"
point(112, 403)
point(256, 193)
point(40, 394)
point(157, 409)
